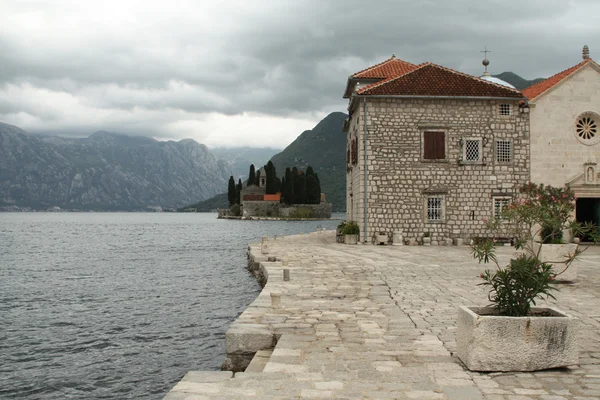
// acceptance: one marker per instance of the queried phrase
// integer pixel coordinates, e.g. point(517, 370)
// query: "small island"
point(297, 195)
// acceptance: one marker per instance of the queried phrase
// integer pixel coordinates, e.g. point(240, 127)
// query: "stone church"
point(435, 152)
point(565, 134)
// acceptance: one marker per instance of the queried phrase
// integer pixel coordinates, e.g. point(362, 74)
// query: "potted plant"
point(351, 231)
point(339, 232)
point(511, 335)
point(538, 222)
point(426, 239)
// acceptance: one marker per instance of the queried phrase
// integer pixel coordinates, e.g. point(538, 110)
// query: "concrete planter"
point(397, 239)
point(497, 343)
point(381, 238)
point(557, 252)
point(351, 239)
point(426, 241)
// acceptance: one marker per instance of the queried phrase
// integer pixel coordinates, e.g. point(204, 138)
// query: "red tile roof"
point(434, 80)
point(272, 197)
point(389, 68)
point(537, 89)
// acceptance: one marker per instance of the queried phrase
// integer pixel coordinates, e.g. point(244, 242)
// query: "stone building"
point(432, 151)
point(565, 134)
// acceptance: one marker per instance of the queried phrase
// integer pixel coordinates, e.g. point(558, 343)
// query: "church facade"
point(565, 134)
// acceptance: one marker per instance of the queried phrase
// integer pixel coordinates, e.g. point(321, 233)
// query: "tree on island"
point(313, 187)
point(299, 179)
point(231, 191)
point(238, 193)
point(271, 178)
point(251, 176)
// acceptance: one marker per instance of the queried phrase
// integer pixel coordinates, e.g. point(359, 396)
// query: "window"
point(472, 150)
point(434, 209)
point(354, 148)
point(586, 128)
point(503, 151)
point(500, 203)
point(434, 145)
point(504, 109)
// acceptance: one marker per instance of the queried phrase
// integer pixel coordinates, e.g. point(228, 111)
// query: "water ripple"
point(120, 305)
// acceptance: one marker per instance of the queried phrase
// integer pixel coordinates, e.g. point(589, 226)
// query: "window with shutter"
point(434, 145)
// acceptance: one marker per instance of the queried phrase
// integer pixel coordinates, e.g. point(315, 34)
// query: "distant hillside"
point(208, 205)
point(516, 80)
point(106, 171)
point(324, 148)
point(240, 158)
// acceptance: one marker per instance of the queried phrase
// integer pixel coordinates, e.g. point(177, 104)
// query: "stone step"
point(259, 361)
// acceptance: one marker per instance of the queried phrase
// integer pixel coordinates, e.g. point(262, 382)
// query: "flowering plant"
point(542, 212)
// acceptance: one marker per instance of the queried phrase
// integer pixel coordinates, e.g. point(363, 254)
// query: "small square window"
point(500, 203)
point(472, 150)
point(434, 209)
point(503, 151)
point(504, 109)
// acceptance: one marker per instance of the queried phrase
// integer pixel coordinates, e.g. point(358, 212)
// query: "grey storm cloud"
point(152, 67)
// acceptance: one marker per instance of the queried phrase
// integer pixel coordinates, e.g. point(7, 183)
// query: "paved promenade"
point(378, 322)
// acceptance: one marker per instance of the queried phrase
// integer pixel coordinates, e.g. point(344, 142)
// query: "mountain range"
point(105, 171)
point(516, 80)
point(109, 171)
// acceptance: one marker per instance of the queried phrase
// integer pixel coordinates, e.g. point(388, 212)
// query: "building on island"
point(432, 151)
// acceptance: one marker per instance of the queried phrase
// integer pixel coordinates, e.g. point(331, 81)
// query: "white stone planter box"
point(351, 239)
point(381, 239)
point(397, 239)
point(558, 252)
point(426, 241)
point(497, 343)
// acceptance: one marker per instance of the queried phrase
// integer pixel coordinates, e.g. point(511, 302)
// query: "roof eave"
point(593, 64)
point(410, 96)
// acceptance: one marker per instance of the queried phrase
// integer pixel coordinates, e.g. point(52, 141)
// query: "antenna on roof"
point(485, 61)
point(393, 55)
point(585, 54)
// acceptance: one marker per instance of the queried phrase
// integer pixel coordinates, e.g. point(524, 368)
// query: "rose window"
point(586, 128)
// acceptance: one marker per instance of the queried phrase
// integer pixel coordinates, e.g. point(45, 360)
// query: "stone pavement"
point(378, 322)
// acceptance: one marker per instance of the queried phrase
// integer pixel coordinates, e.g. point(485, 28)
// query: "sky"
point(252, 73)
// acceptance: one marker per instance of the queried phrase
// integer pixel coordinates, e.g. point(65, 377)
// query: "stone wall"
point(399, 180)
point(277, 209)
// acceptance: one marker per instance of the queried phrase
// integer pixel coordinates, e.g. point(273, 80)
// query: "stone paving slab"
point(378, 322)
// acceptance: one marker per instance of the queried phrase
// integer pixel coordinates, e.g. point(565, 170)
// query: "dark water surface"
point(120, 305)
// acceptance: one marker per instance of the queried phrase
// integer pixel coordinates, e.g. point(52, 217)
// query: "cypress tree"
point(251, 175)
point(271, 178)
point(300, 188)
point(288, 188)
point(313, 189)
point(313, 195)
point(231, 195)
point(239, 192)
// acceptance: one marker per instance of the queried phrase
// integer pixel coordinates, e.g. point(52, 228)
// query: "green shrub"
point(235, 210)
point(551, 234)
point(302, 213)
point(515, 287)
point(351, 228)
